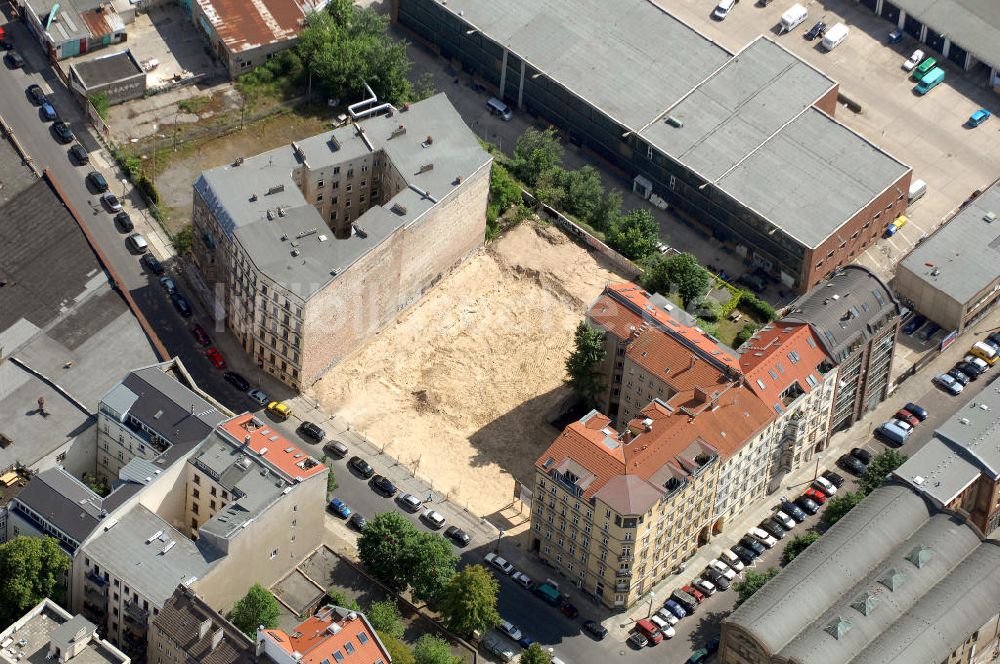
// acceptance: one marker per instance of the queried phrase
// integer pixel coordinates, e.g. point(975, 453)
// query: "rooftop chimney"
point(216, 638)
point(203, 627)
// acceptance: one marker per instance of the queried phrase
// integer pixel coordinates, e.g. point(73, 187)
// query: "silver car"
point(409, 501)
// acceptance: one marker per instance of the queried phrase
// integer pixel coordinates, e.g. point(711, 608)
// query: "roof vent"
point(398, 131)
point(990, 217)
point(253, 198)
point(270, 214)
point(674, 122)
point(425, 167)
point(429, 141)
point(169, 546)
point(154, 536)
point(295, 252)
point(322, 238)
point(276, 189)
point(920, 556)
point(866, 603)
point(838, 627)
point(281, 211)
point(360, 232)
point(305, 233)
point(918, 480)
point(399, 209)
point(893, 579)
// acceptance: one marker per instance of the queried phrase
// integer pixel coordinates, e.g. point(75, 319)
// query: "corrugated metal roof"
point(247, 24)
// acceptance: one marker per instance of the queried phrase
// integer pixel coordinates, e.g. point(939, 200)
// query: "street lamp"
point(124, 187)
point(652, 596)
point(819, 457)
point(499, 537)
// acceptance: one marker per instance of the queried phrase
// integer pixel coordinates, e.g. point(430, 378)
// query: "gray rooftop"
point(14, 173)
point(63, 501)
point(825, 172)
point(108, 68)
point(962, 258)
point(972, 24)
point(49, 623)
point(228, 190)
point(69, 23)
point(184, 619)
point(153, 573)
point(892, 558)
point(938, 471)
point(851, 306)
point(614, 56)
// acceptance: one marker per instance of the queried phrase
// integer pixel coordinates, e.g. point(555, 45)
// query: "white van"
point(794, 17)
point(917, 189)
point(500, 109)
point(834, 36)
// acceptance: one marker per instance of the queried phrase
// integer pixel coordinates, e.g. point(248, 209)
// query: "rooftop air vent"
point(990, 217)
point(674, 122)
point(425, 167)
point(398, 131)
point(276, 189)
point(253, 198)
point(360, 232)
point(429, 141)
point(295, 252)
point(399, 209)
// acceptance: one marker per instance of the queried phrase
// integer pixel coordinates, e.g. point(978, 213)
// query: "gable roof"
point(779, 356)
point(333, 636)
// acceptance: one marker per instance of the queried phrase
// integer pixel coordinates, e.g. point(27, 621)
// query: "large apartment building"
point(189, 630)
point(49, 633)
point(310, 248)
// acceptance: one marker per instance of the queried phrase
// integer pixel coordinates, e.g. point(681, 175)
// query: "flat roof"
point(243, 25)
point(46, 623)
point(972, 24)
point(961, 258)
point(938, 471)
point(972, 431)
point(108, 68)
point(295, 247)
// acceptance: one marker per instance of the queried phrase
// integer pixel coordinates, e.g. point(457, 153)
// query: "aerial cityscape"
point(550, 332)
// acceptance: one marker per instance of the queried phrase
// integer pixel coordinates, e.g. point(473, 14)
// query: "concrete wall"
point(927, 299)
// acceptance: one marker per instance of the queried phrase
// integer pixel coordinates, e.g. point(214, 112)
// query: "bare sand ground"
point(462, 386)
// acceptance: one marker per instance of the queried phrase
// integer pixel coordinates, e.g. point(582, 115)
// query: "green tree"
point(431, 649)
point(399, 652)
point(338, 598)
point(429, 564)
point(385, 617)
point(549, 187)
point(752, 582)
point(634, 235)
point(882, 464)
point(98, 485)
point(797, 545)
point(535, 655)
point(536, 152)
point(608, 211)
point(584, 192)
point(182, 240)
point(708, 309)
point(745, 333)
point(257, 607)
point(588, 352)
point(680, 273)
point(504, 189)
point(331, 483)
point(383, 545)
point(840, 505)
point(469, 601)
point(31, 569)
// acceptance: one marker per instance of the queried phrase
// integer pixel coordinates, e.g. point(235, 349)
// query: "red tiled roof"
point(314, 640)
point(583, 442)
point(768, 359)
point(246, 24)
point(278, 451)
point(663, 356)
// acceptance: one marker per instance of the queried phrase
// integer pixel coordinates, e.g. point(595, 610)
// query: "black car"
point(918, 411)
point(14, 60)
point(383, 485)
point(595, 629)
point(862, 455)
point(358, 521)
point(457, 535)
point(836, 479)
point(717, 579)
point(793, 510)
point(124, 223)
point(6, 44)
point(63, 132)
point(181, 304)
point(361, 466)
point(807, 504)
point(772, 529)
point(313, 431)
point(969, 369)
point(569, 610)
point(153, 265)
point(993, 340)
point(744, 554)
point(753, 545)
point(816, 31)
point(851, 465)
point(36, 95)
point(959, 376)
point(97, 182)
point(914, 324)
point(79, 154)
point(237, 381)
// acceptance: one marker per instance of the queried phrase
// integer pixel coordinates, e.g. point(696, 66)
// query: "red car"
point(200, 335)
point(816, 495)
point(649, 630)
point(908, 417)
point(694, 592)
point(215, 357)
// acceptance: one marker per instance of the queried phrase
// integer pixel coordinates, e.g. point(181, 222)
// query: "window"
point(336, 169)
point(195, 493)
point(197, 478)
point(362, 638)
point(349, 188)
point(319, 197)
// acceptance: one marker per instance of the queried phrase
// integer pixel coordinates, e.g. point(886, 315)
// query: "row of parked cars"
point(981, 356)
point(898, 429)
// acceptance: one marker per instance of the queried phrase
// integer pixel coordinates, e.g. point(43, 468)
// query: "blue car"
point(340, 508)
point(525, 641)
point(675, 608)
point(48, 111)
point(977, 118)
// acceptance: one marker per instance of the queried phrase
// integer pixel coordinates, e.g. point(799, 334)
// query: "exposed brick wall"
point(828, 102)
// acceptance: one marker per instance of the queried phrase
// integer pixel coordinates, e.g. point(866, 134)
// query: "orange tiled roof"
point(674, 363)
point(314, 640)
point(583, 441)
point(779, 355)
point(280, 452)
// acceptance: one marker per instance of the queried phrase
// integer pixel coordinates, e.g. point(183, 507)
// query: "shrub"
point(757, 307)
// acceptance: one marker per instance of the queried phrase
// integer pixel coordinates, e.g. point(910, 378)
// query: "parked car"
point(913, 60)
point(181, 305)
point(706, 587)
point(279, 410)
point(510, 629)
point(433, 519)
point(498, 562)
point(723, 9)
point(340, 508)
point(969, 369)
point(595, 629)
point(124, 223)
point(978, 362)
point(815, 495)
point(383, 485)
point(14, 60)
point(712, 645)
point(111, 202)
point(959, 377)
point(361, 466)
point(63, 132)
point(753, 544)
point(718, 580)
point(569, 610)
point(97, 181)
point(917, 410)
point(35, 94)
point(834, 478)
point(167, 284)
point(994, 339)
point(153, 265)
point(816, 31)
point(809, 505)
point(906, 416)
point(638, 640)
point(792, 510)
point(236, 380)
point(763, 537)
point(667, 617)
point(457, 535)
point(215, 357)
point(699, 596)
point(745, 555)
point(649, 630)
point(722, 568)
point(851, 465)
point(79, 154)
point(336, 449)
point(522, 579)
point(497, 646)
point(977, 118)
point(409, 502)
point(783, 520)
point(48, 111)
point(358, 521)
point(259, 396)
point(772, 529)
point(312, 431)
point(673, 607)
point(731, 560)
point(825, 485)
point(200, 335)
point(665, 629)
point(698, 656)
point(862, 455)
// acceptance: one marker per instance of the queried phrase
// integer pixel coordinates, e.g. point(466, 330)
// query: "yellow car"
point(279, 410)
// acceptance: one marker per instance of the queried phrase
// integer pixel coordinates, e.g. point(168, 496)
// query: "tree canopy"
point(258, 607)
point(469, 601)
point(536, 152)
point(398, 651)
point(882, 464)
point(386, 619)
point(797, 545)
point(680, 273)
point(431, 649)
point(584, 192)
point(535, 654)
point(587, 353)
point(752, 582)
point(31, 569)
point(429, 564)
point(634, 234)
point(383, 545)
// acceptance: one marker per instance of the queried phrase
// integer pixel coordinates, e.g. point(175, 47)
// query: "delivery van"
point(499, 109)
point(834, 36)
point(917, 189)
point(985, 352)
point(930, 81)
point(921, 70)
point(795, 15)
point(891, 431)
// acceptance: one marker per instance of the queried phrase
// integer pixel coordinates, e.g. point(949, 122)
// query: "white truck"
point(834, 36)
point(793, 17)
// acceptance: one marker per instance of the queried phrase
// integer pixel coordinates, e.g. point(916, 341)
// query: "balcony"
point(625, 557)
point(97, 581)
point(621, 587)
point(152, 440)
point(96, 611)
point(135, 613)
point(623, 574)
